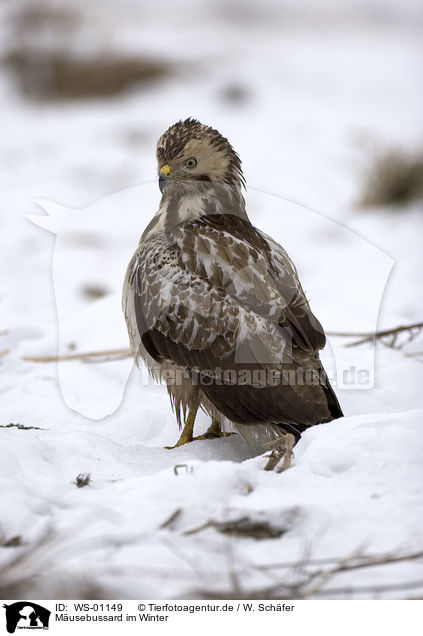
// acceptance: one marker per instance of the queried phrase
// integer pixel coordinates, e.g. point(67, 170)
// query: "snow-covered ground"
point(305, 97)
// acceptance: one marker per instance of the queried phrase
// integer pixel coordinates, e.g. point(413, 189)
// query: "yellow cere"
point(165, 169)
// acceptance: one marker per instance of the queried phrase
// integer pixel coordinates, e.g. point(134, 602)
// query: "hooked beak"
point(163, 181)
point(164, 176)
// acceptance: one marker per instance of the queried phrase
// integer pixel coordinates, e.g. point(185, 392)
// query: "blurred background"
point(323, 102)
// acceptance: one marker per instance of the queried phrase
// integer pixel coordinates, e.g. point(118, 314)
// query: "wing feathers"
point(226, 298)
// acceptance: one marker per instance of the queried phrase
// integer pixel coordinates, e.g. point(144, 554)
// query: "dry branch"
point(359, 562)
point(312, 583)
point(108, 354)
point(371, 589)
point(413, 331)
point(117, 354)
point(318, 579)
point(20, 576)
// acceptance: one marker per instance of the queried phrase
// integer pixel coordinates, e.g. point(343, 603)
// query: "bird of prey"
point(214, 307)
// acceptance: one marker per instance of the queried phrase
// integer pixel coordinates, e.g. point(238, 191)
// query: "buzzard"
point(215, 308)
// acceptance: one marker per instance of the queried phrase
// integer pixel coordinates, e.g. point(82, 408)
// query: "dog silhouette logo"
point(26, 615)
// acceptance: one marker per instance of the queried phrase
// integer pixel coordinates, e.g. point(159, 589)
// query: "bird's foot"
point(214, 431)
point(181, 441)
point(186, 440)
point(208, 435)
point(280, 457)
point(187, 431)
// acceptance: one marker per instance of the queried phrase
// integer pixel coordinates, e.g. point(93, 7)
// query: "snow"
point(321, 87)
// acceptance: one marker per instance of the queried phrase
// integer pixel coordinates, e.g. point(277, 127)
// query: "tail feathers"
point(334, 410)
point(333, 404)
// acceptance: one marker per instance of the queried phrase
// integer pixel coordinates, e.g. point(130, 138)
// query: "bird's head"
point(190, 151)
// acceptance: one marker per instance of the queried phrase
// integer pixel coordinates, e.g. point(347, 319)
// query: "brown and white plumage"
point(215, 307)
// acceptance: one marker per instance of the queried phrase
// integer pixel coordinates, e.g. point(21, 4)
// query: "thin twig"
point(364, 562)
point(319, 578)
point(231, 567)
point(311, 584)
point(169, 521)
point(126, 352)
point(179, 552)
point(369, 336)
point(361, 561)
point(392, 587)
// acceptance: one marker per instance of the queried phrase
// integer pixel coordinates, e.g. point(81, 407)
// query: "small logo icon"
point(26, 615)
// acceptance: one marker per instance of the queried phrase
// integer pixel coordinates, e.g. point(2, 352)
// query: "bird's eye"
point(190, 163)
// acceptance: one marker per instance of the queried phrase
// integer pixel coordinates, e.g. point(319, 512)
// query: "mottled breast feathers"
point(219, 286)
